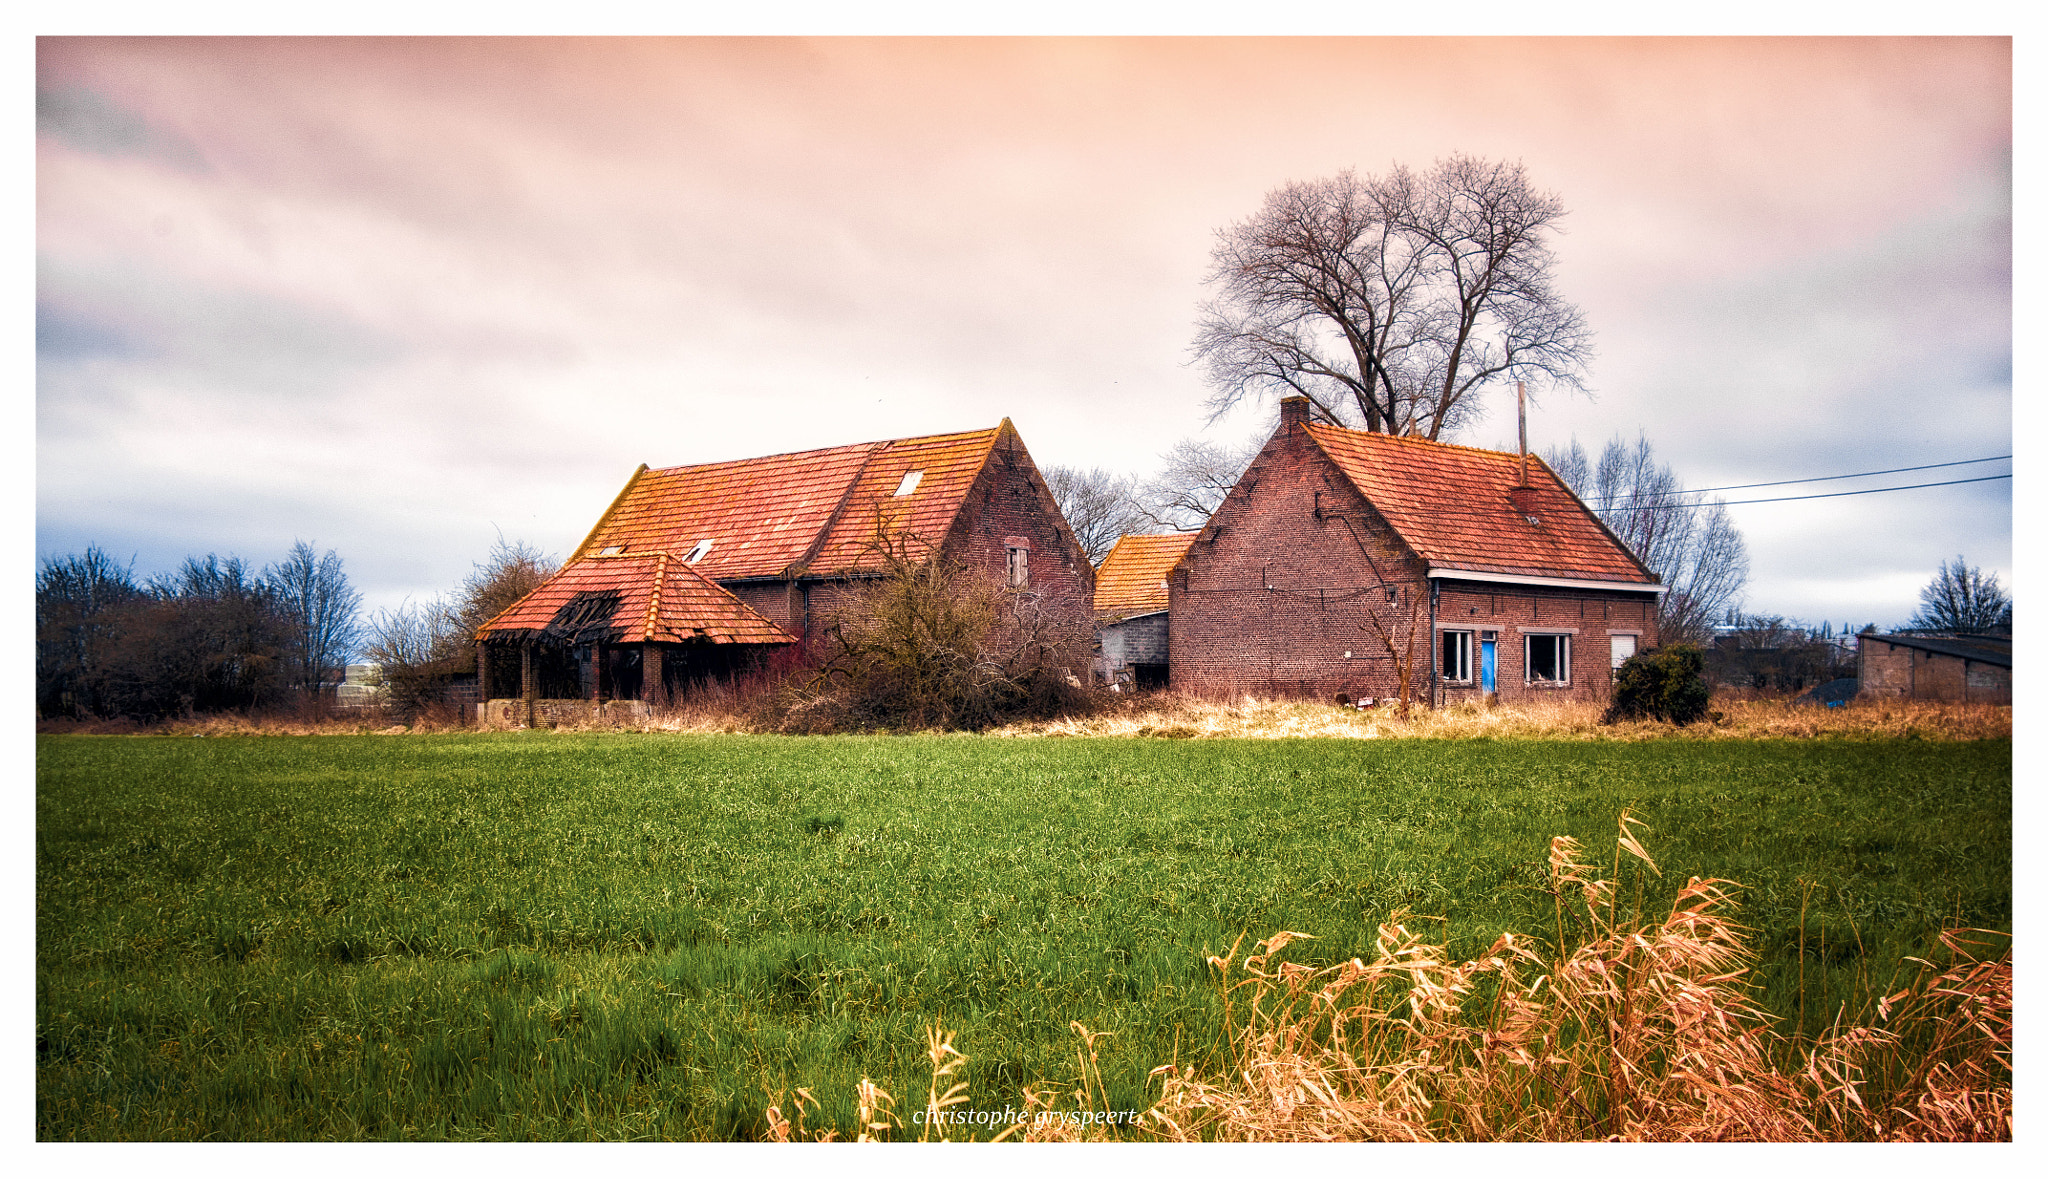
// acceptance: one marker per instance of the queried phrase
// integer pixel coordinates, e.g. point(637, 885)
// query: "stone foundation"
point(548, 714)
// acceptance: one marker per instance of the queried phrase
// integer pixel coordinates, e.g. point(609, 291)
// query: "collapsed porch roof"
point(631, 598)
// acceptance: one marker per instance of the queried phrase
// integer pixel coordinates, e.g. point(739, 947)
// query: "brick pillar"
point(1293, 410)
point(483, 671)
point(651, 689)
point(526, 686)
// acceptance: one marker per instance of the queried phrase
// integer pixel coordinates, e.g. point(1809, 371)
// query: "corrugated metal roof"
point(1132, 579)
point(814, 511)
point(1460, 507)
point(648, 597)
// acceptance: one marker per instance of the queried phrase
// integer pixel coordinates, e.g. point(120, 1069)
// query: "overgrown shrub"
point(933, 645)
point(1664, 683)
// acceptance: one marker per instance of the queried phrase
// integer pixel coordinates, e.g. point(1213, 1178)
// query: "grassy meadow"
point(657, 936)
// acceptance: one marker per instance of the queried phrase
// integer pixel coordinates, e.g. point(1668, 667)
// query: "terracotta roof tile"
point(651, 597)
point(813, 510)
point(1459, 508)
point(1132, 579)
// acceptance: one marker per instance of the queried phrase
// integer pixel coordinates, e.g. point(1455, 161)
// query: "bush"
point(933, 645)
point(1666, 683)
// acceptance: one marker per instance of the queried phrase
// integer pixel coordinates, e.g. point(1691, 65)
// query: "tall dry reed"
point(1625, 1028)
point(1621, 1026)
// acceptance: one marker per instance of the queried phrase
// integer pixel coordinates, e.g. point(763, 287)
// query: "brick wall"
point(1297, 586)
point(1143, 639)
point(1010, 506)
point(1887, 669)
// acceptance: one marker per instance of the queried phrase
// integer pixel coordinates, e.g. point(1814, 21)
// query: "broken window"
point(1018, 567)
point(1549, 658)
point(1455, 664)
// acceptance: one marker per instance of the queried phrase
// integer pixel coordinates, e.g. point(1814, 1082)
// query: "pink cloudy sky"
point(396, 297)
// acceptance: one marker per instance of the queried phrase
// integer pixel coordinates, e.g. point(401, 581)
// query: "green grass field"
point(542, 936)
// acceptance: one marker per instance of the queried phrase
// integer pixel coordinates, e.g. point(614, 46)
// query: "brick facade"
point(1967, 671)
point(1299, 586)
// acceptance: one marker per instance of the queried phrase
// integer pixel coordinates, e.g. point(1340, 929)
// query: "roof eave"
point(1445, 573)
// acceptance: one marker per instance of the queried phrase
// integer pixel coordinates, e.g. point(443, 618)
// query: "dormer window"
point(910, 482)
point(611, 550)
point(697, 554)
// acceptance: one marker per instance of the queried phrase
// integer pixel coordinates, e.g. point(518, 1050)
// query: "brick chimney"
point(1293, 410)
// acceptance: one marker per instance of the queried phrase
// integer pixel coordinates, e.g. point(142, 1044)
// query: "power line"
point(1827, 478)
point(1866, 491)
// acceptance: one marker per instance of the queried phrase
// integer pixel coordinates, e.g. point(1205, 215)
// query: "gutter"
point(1549, 582)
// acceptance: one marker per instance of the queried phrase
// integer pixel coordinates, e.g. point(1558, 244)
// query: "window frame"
point(1561, 657)
point(1466, 641)
point(1017, 566)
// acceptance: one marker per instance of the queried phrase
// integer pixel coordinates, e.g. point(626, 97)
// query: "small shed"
point(1130, 608)
point(1973, 669)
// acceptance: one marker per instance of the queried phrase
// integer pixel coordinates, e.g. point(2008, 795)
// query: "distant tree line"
point(215, 635)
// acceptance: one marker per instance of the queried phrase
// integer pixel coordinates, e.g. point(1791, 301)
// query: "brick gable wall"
point(1297, 586)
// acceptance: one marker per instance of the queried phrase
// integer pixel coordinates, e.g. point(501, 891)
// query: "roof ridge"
point(1404, 439)
point(871, 447)
point(654, 594)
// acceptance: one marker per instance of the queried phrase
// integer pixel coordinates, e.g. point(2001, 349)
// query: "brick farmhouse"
point(1352, 565)
point(700, 571)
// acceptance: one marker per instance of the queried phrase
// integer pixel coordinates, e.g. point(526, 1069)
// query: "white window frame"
point(697, 554)
point(910, 481)
point(1563, 639)
point(1467, 639)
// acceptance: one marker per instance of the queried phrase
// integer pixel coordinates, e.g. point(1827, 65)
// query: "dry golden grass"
point(1642, 1031)
point(1626, 1028)
point(1174, 715)
point(1169, 715)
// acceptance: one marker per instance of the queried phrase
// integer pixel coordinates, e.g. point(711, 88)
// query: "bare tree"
point(1193, 480)
point(79, 600)
point(1692, 545)
point(1391, 301)
point(1099, 507)
point(321, 608)
point(419, 647)
point(1963, 599)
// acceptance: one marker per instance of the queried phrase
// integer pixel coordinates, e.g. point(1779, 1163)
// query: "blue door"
point(1486, 665)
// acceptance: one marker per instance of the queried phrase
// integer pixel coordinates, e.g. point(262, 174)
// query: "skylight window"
point(697, 554)
point(611, 550)
point(910, 482)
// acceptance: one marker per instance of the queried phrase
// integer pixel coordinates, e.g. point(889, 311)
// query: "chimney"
point(1293, 410)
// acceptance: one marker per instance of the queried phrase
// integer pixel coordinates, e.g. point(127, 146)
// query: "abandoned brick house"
point(1974, 669)
point(700, 571)
point(1130, 608)
point(1343, 563)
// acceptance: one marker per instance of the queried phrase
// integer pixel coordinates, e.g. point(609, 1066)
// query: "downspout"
point(1435, 679)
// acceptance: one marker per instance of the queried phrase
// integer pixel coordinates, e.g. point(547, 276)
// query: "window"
point(1549, 658)
point(1622, 647)
point(697, 554)
point(1455, 664)
point(611, 550)
point(1019, 567)
point(910, 482)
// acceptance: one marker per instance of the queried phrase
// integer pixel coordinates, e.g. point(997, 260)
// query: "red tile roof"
point(814, 512)
point(1132, 579)
point(1460, 508)
point(651, 597)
